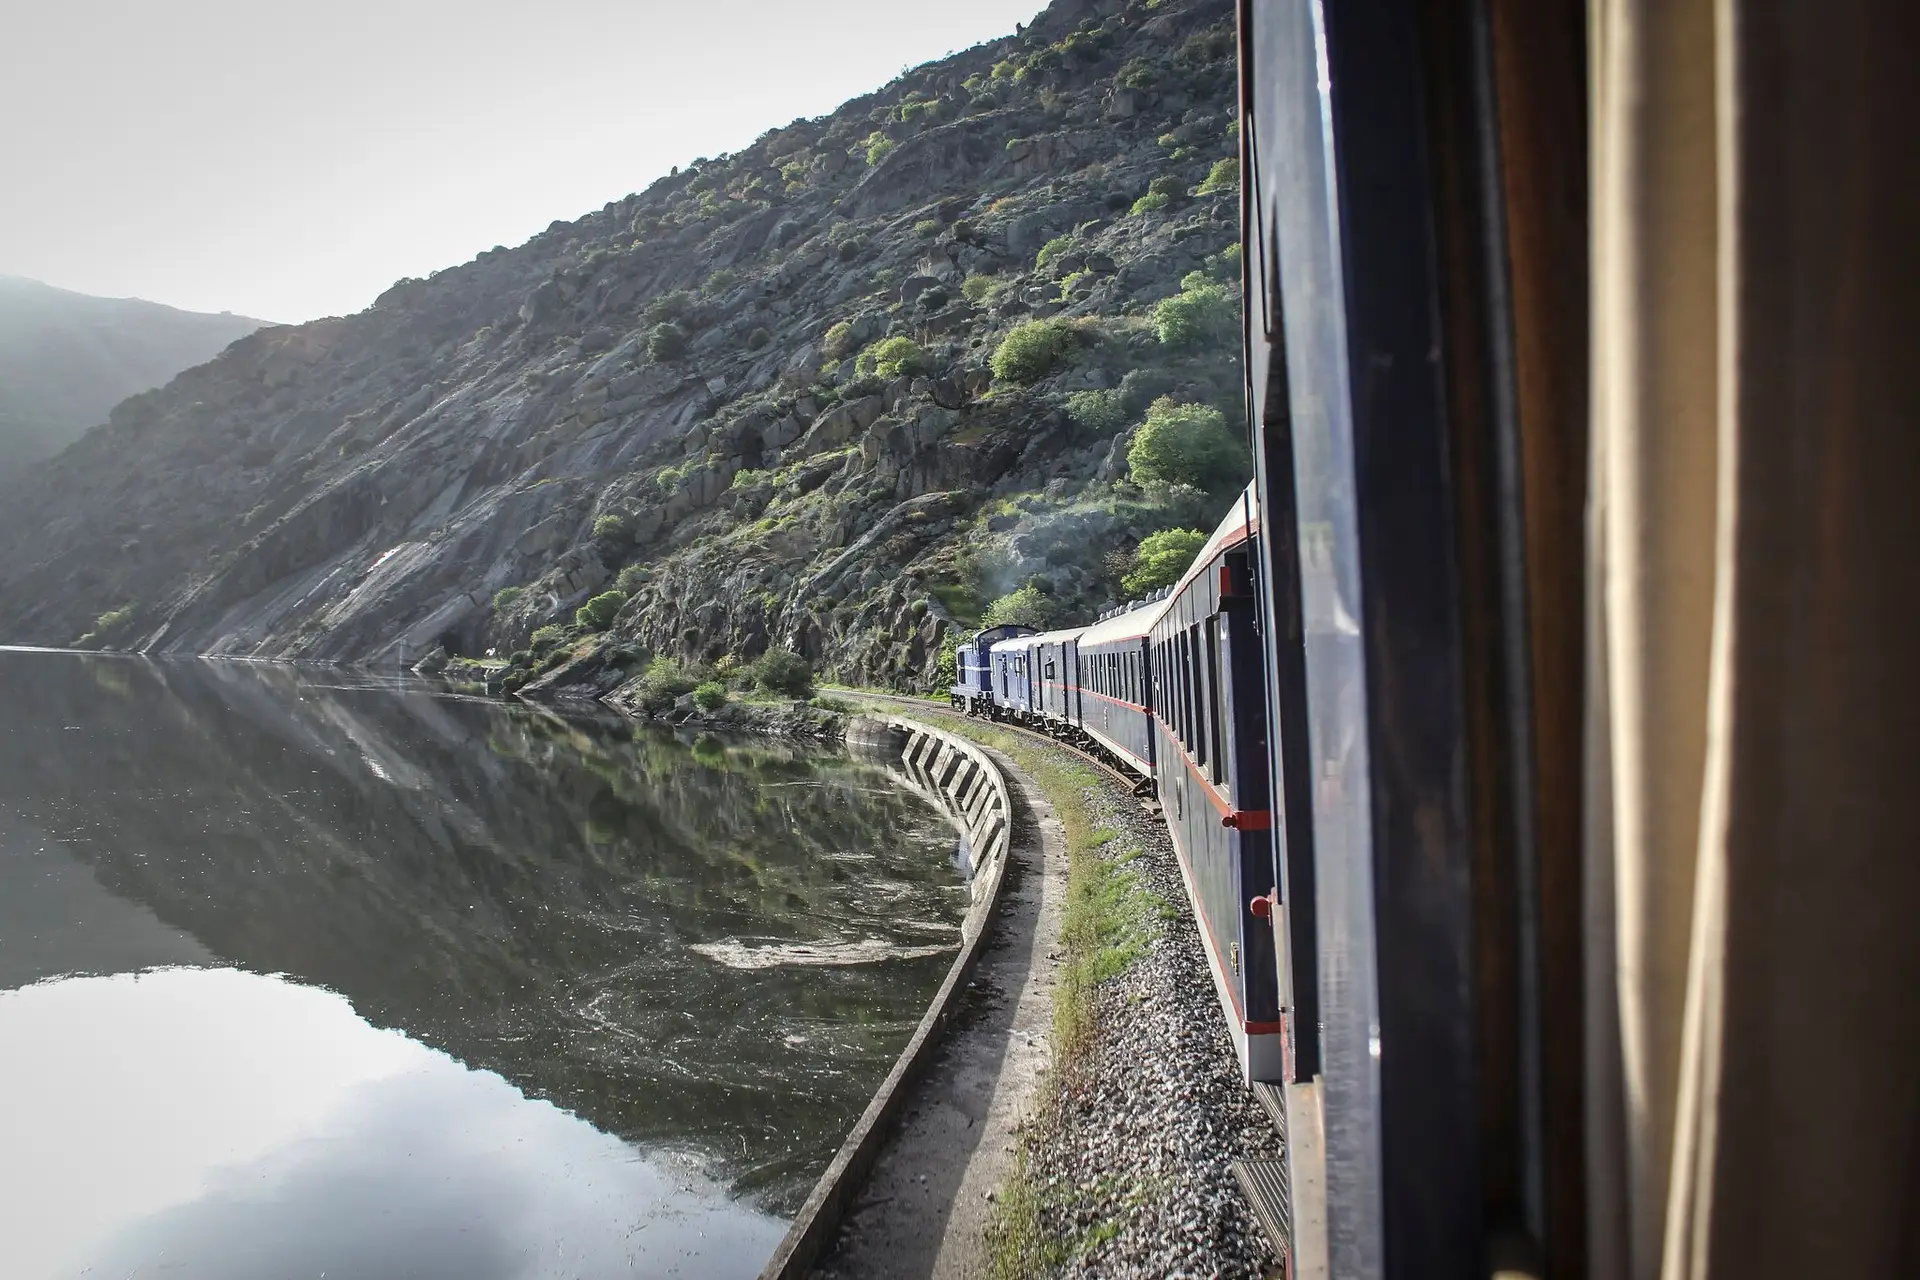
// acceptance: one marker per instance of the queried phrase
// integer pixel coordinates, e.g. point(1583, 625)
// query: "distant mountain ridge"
point(864, 383)
point(67, 358)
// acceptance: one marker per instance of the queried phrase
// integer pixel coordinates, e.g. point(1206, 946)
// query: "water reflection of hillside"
point(518, 890)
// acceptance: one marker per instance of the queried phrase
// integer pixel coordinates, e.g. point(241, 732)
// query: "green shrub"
point(838, 342)
point(927, 228)
point(1186, 444)
point(1225, 265)
point(1152, 202)
point(506, 597)
point(1224, 176)
point(784, 671)
point(827, 702)
point(598, 613)
point(978, 289)
point(1203, 313)
point(1196, 51)
point(1101, 411)
point(113, 619)
point(913, 111)
point(667, 342)
point(1071, 282)
point(1031, 350)
point(1005, 69)
point(610, 527)
point(1027, 607)
point(751, 478)
point(632, 578)
point(1051, 250)
point(946, 671)
point(759, 338)
point(1085, 46)
point(1138, 73)
point(710, 696)
point(546, 638)
point(1161, 559)
point(663, 683)
point(891, 358)
point(879, 147)
point(667, 307)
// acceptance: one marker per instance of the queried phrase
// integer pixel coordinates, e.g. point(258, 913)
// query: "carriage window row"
point(1115, 675)
point(1190, 693)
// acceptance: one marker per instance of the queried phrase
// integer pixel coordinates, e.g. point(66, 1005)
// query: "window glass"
point(1202, 702)
point(1217, 670)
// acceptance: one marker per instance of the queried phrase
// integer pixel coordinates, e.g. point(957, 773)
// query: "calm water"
point(301, 979)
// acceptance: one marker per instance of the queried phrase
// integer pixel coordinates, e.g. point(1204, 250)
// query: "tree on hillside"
point(1204, 315)
point(1027, 607)
point(1161, 559)
point(1186, 444)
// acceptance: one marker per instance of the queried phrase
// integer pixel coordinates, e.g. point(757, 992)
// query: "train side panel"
point(1113, 701)
point(1208, 723)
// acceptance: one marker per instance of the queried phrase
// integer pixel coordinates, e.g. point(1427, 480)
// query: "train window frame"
point(1216, 671)
point(1186, 692)
point(1202, 702)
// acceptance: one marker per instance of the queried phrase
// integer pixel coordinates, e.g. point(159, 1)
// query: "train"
point(1559, 656)
point(1171, 691)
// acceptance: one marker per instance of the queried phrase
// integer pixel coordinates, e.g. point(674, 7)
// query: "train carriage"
point(1014, 665)
point(973, 687)
point(1210, 764)
point(1114, 682)
point(1057, 659)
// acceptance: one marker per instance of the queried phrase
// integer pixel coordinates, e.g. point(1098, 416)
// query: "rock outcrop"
point(758, 397)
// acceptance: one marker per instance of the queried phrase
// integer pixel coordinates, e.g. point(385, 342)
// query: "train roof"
point(1130, 625)
point(1043, 637)
point(1240, 523)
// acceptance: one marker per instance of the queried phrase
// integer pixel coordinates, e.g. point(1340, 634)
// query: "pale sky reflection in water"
point(279, 1134)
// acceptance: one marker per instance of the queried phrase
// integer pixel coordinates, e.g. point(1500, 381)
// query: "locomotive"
point(1171, 691)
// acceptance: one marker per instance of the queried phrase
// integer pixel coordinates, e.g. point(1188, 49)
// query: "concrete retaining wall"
point(958, 778)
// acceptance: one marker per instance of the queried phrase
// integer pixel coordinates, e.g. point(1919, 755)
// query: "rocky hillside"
point(840, 392)
point(66, 359)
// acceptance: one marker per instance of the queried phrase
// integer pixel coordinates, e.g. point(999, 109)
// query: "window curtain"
point(1752, 860)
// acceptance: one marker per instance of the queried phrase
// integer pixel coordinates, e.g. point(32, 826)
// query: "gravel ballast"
point(1137, 1147)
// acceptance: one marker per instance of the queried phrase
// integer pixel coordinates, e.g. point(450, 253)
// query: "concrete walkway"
point(924, 1210)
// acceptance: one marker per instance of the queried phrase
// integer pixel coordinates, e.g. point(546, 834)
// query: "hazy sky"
point(288, 159)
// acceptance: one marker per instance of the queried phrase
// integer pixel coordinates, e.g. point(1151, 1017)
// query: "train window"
point(1216, 680)
point(1202, 702)
point(1193, 692)
point(1185, 692)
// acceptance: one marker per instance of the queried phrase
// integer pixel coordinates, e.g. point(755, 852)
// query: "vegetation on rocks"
point(1186, 444)
point(1027, 607)
point(1161, 559)
point(1030, 351)
point(839, 394)
point(598, 613)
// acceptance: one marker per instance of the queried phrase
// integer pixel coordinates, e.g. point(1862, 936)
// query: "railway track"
point(1262, 1183)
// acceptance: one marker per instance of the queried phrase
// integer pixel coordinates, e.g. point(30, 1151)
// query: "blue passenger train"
point(1172, 690)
